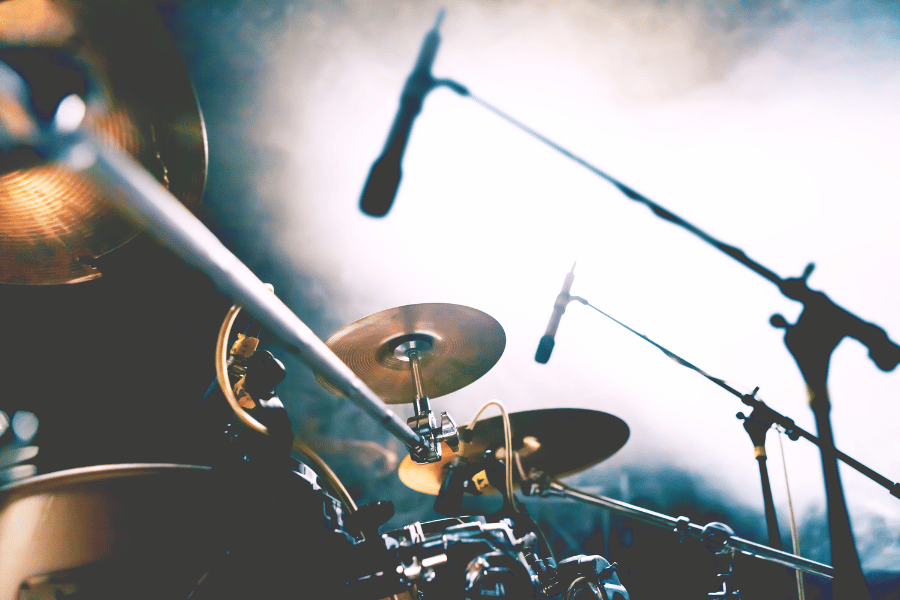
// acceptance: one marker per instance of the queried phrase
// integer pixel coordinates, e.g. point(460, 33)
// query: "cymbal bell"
point(556, 441)
point(462, 344)
point(54, 222)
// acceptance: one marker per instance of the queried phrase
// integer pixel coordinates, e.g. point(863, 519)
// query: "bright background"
point(772, 126)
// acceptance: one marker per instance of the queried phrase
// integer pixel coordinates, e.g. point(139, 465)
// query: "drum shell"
point(149, 531)
point(157, 516)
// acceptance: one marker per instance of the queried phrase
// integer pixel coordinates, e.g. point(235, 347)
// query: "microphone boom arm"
point(821, 327)
point(883, 351)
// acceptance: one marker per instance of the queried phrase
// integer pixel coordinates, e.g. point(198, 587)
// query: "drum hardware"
point(246, 382)
point(424, 422)
point(590, 577)
point(483, 559)
point(494, 559)
point(541, 485)
point(421, 351)
point(715, 536)
point(557, 441)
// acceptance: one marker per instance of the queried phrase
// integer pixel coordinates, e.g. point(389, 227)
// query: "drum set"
point(256, 522)
point(246, 525)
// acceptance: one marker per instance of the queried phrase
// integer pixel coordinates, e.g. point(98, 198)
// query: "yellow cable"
point(222, 373)
point(249, 421)
point(507, 436)
point(795, 535)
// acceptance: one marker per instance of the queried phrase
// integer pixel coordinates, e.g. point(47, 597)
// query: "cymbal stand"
point(413, 348)
point(541, 485)
point(811, 341)
point(151, 207)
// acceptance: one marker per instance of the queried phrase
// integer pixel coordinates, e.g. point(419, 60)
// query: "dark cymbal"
point(556, 441)
point(465, 344)
point(53, 222)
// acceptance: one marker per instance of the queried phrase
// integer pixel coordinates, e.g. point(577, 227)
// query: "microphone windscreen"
point(544, 349)
point(381, 186)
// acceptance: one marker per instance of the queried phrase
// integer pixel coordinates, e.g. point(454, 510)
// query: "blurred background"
point(771, 125)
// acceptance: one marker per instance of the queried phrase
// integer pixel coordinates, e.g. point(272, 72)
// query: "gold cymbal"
point(53, 222)
point(464, 344)
point(556, 441)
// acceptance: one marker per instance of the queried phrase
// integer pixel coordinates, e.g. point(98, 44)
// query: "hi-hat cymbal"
point(53, 222)
point(464, 344)
point(556, 441)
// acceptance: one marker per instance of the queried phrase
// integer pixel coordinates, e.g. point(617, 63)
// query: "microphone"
point(562, 300)
point(384, 178)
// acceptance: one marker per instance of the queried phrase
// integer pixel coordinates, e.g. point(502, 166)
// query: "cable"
point(246, 419)
point(222, 373)
point(795, 535)
point(507, 436)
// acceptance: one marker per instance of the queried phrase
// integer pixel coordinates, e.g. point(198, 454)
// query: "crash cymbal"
point(556, 441)
point(53, 222)
point(462, 345)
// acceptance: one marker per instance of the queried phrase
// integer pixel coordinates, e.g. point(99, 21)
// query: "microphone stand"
point(757, 426)
point(811, 341)
point(765, 416)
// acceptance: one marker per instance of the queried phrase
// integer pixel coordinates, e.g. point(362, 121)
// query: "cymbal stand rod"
point(420, 403)
point(433, 431)
point(683, 527)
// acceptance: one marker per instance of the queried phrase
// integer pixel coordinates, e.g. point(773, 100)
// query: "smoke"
point(770, 122)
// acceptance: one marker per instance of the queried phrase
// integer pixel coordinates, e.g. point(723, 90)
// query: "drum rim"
point(82, 475)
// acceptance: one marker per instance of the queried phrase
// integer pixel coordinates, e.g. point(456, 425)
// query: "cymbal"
point(556, 441)
point(53, 221)
point(465, 344)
